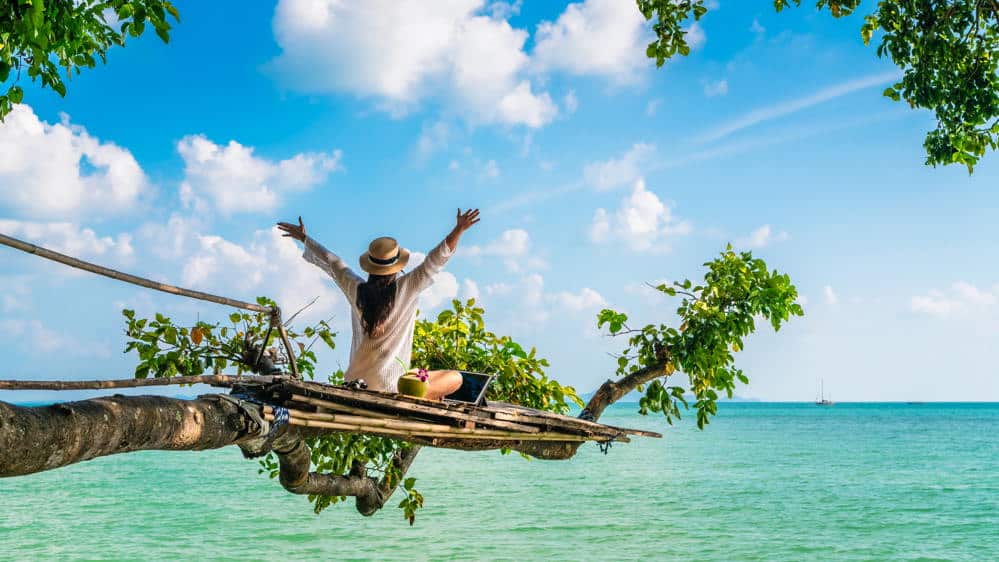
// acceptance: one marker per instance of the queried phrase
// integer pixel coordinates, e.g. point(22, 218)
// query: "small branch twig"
point(292, 317)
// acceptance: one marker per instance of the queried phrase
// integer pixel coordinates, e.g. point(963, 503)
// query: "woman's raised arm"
point(317, 254)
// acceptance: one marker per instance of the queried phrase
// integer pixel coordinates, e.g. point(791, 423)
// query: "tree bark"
point(43, 438)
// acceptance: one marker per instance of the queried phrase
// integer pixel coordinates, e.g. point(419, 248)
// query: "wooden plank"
point(515, 413)
point(412, 408)
point(456, 433)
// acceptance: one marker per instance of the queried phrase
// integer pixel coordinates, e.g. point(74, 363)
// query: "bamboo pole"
point(126, 277)
point(214, 380)
point(372, 422)
point(437, 411)
point(351, 410)
point(455, 432)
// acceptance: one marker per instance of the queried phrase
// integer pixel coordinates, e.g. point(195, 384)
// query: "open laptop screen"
point(473, 388)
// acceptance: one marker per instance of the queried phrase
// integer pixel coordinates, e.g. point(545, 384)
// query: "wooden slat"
point(456, 433)
point(515, 413)
point(413, 408)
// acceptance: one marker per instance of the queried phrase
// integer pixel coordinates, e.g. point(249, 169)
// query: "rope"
point(275, 312)
point(281, 415)
point(126, 277)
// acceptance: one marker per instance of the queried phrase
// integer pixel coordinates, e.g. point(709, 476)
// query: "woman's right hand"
point(296, 231)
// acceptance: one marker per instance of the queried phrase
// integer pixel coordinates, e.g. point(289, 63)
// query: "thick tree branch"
point(295, 461)
point(47, 437)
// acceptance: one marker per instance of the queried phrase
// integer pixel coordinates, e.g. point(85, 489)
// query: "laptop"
point(472, 390)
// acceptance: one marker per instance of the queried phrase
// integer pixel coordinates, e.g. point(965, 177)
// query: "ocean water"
point(762, 482)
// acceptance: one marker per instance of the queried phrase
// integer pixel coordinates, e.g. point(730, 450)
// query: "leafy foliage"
point(167, 350)
point(46, 38)
point(458, 339)
point(714, 318)
point(948, 51)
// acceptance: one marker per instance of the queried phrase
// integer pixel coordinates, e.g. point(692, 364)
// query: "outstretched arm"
point(463, 221)
point(435, 260)
point(326, 260)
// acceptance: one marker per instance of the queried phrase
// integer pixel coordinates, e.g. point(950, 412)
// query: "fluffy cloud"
point(60, 171)
point(513, 246)
point(269, 265)
point(470, 290)
point(961, 297)
point(234, 180)
point(621, 171)
point(586, 299)
point(68, 238)
point(761, 238)
point(643, 222)
point(401, 52)
point(594, 37)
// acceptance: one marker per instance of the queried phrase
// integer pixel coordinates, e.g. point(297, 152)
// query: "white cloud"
point(512, 243)
point(233, 179)
point(470, 290)
point(643, 222)
point(621, 171)
point(71, 239)
point(781, 109)
point(595, 37)
point(757, 28)
point(652, 107)
point(444, 288)
point(586, 299)
point(269, 265)
point(60, 171)
point(962, 297)
point(717, 88)
point(514, 247)
point(761, 237)
point(830, 295)
point(695, 36)
point(402, 52)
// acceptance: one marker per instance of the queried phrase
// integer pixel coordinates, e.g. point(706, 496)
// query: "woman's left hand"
point(467, 219)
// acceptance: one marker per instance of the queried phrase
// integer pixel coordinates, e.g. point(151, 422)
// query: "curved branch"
point(295, 461)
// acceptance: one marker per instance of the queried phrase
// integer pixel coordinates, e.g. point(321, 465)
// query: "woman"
point(383, 308)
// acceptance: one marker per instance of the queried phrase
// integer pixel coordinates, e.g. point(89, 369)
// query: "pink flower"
point(422, 374)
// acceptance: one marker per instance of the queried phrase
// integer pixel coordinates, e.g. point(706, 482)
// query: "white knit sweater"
point(374, 358)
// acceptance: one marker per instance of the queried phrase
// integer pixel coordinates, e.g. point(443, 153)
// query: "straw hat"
point(384, 257)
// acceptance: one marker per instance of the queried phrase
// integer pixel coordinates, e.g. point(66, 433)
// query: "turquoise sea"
point(762, 482)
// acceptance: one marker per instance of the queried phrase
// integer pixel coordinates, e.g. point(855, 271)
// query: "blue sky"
point(595, 173)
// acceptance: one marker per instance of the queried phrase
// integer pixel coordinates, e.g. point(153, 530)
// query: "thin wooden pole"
point(126, 277)
point(214, 380)
point(456, 432)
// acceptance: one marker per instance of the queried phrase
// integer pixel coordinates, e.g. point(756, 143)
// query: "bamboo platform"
point(338, 408)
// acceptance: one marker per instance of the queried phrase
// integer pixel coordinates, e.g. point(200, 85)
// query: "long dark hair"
point(375, 298)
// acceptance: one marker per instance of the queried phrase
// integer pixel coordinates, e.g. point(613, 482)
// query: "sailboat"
point(822, 395)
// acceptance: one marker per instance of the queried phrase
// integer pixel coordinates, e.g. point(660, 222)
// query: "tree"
point(713, 319)
point(43, 39)
point(948, 51)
